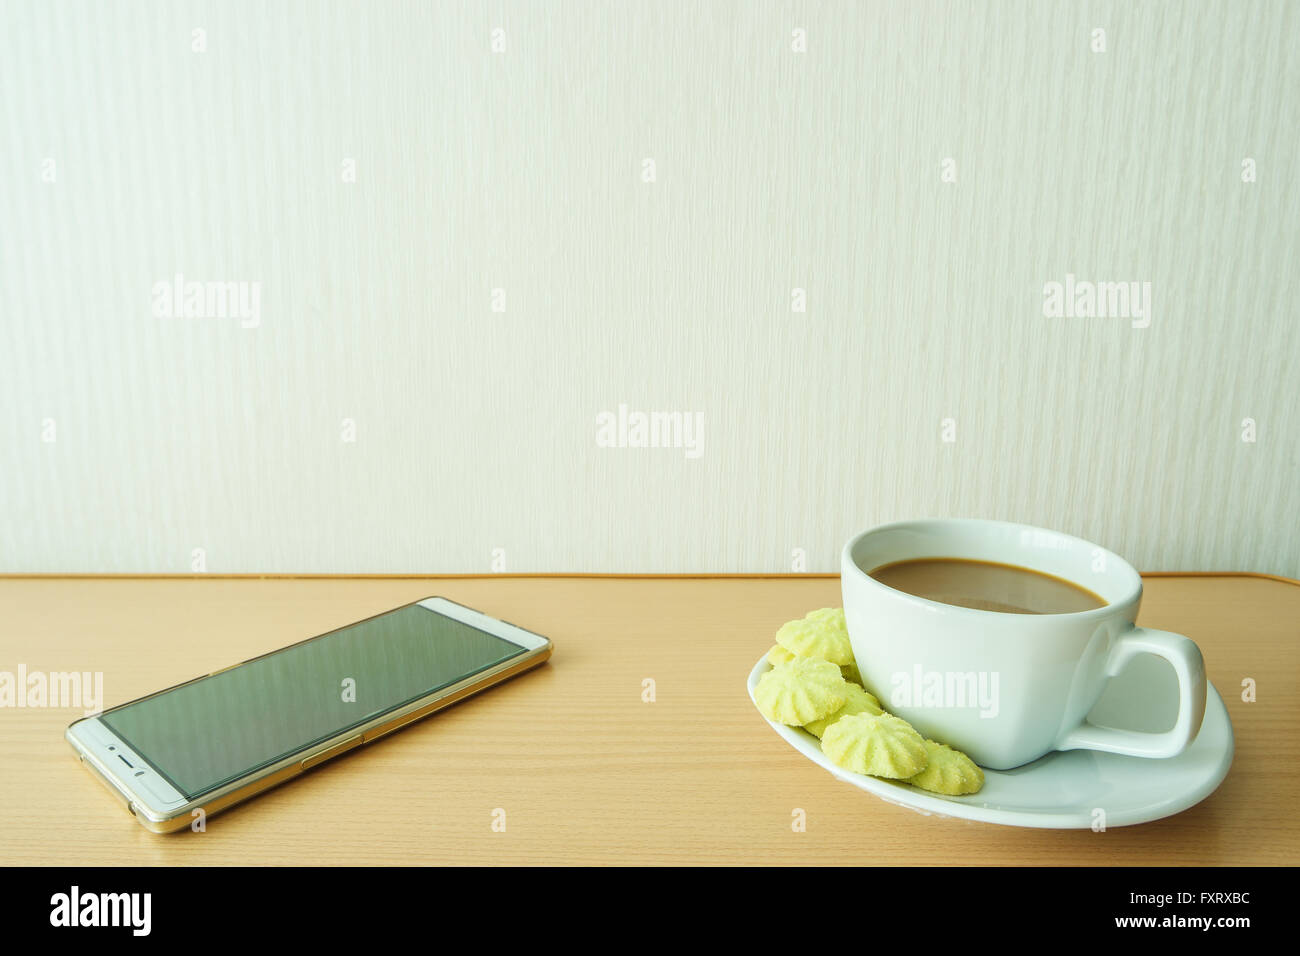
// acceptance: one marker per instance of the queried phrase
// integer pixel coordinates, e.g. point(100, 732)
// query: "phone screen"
point(217, 729)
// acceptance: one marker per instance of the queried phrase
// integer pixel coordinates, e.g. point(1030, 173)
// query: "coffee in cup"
point(999, 638)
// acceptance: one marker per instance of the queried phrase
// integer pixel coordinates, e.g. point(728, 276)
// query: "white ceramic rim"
point(968, 808)
point(849, 565)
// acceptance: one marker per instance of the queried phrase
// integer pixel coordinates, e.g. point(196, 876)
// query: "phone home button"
point(320, 756)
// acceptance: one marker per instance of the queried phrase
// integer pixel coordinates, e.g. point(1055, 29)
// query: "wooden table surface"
point(586, 771)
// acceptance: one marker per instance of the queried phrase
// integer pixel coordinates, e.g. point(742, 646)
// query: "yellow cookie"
point(826, 614)
point(800, 691)
point(948, 771)
point(883, 746)
point(859, 702)
point(779, 655)
point(819, 634)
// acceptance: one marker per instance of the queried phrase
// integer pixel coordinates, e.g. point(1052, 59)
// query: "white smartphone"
point(202, 746)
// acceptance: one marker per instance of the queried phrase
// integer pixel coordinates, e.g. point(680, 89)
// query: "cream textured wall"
point(128, 440)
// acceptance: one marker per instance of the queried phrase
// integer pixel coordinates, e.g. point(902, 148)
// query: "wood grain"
point(586, 771)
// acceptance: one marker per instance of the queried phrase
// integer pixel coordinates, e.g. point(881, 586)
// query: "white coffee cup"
point(1008, 688)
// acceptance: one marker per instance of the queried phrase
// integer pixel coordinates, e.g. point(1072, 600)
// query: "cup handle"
point(1185, 657)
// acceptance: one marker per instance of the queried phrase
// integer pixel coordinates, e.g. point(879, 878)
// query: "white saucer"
point(1063, 790)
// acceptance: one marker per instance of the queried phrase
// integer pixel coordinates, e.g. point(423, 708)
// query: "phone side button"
point(320, 756)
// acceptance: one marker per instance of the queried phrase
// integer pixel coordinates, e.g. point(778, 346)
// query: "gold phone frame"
point(536, 652)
